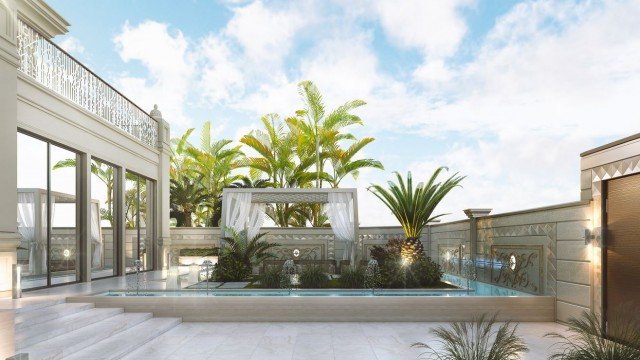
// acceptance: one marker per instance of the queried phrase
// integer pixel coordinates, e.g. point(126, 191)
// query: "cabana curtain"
point(243, 215)
point(340, 211)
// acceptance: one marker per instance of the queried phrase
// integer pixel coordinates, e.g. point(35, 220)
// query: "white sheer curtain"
point(96, 236)
point(241, 214)
point(26, 224)
point(340, 212)
point(256, 219)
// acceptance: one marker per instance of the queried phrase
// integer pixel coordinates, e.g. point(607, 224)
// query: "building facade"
point(85, 167)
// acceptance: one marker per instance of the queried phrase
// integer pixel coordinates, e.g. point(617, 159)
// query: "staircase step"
point(32, 335)
point(30, 304)
point(49, 313)
point(122, 344)
point(74, 341)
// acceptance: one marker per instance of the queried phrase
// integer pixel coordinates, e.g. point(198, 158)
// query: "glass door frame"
point(78, 226)
point(149, 232)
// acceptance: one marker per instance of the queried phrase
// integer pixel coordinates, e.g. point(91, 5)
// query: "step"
point(30, 304)
point(32, 335)
point(124, 343)
point(72, 342)
point(49, 313)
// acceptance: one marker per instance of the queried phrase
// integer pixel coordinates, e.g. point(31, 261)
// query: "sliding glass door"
point(47, 213)
point(104, 249)
point(140, 215)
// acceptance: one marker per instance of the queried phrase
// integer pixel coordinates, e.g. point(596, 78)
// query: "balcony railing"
point(58, 71)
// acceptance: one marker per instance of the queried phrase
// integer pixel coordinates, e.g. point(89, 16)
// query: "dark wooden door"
point(622, 246)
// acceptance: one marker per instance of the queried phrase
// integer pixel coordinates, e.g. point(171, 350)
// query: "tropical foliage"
point(310, 148)
point(586, 338)
point(476, 340)
point(413, 207)
point(240, 254)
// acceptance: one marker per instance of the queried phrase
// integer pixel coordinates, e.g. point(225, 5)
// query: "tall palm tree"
point(214, 163)
point(275, 146)
point(320, 132)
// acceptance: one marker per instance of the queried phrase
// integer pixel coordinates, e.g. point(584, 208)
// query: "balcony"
point(59, 72)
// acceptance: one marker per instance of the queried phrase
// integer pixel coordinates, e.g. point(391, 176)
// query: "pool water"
point(475, 288)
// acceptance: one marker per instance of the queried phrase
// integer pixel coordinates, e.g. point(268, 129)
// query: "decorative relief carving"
point(303, 252)
point(449, 258)
point(518, 267)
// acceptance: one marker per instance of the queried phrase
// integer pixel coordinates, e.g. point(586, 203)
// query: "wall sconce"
point(588, 236)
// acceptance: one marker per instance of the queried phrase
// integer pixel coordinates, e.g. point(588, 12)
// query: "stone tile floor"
point(280, 340)
point(349, 341)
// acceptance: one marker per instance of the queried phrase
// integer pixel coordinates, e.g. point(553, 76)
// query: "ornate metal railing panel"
point(56, 70)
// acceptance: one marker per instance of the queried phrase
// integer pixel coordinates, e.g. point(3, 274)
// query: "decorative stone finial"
point(155, 112)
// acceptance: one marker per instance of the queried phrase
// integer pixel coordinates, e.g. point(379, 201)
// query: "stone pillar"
point(473, 215)
point(163, 205)
point(9, 62)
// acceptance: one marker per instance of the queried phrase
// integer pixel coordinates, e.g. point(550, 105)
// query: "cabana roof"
point(290, 195)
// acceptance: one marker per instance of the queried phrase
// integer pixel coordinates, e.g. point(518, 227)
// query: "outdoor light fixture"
point(16, 284)
point(588, 236)
point(66, 253)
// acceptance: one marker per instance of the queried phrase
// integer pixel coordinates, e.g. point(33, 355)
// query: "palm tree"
point(214, 163)
point(343, 163)
point(187, 196)
point(414, 207)
point(476, 340)
point(321, 132)
point(276, 158)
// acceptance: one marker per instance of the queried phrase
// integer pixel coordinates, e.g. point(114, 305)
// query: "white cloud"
point(221, 77)
point(434, 27)
point(170, 67)
point(265, 33)
point(72, 45)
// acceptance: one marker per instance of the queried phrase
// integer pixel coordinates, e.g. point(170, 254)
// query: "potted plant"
point(413, 207)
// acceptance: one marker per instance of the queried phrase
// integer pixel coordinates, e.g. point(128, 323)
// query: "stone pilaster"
point(163, 206)
point(473, 215)
point(9, 236)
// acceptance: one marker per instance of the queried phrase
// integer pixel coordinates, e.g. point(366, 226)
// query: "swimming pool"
point(467, 288)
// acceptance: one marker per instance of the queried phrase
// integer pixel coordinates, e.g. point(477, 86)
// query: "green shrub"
point(427, 272)
point(352, 278)
point(273, 278)
point(230, 268)
point(312, 277)
point(477, 340)
point(200, 252)
point(587, 339)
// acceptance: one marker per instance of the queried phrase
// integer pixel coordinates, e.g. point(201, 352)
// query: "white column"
point(9, 237)
point(163, 205)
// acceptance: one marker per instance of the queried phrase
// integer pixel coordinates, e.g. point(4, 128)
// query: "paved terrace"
point(270, 340)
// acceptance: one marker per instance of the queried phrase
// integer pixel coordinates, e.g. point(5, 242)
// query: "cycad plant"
point(586, 338)
point(413, 207)
point(476, 340)
point(240, 254)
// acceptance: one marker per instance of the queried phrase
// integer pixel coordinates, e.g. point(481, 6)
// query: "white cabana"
point(244, 209)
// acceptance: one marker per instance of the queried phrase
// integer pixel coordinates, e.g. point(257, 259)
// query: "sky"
point(507, 93)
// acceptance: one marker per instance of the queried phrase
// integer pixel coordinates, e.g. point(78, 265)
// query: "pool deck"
point(282, 339)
